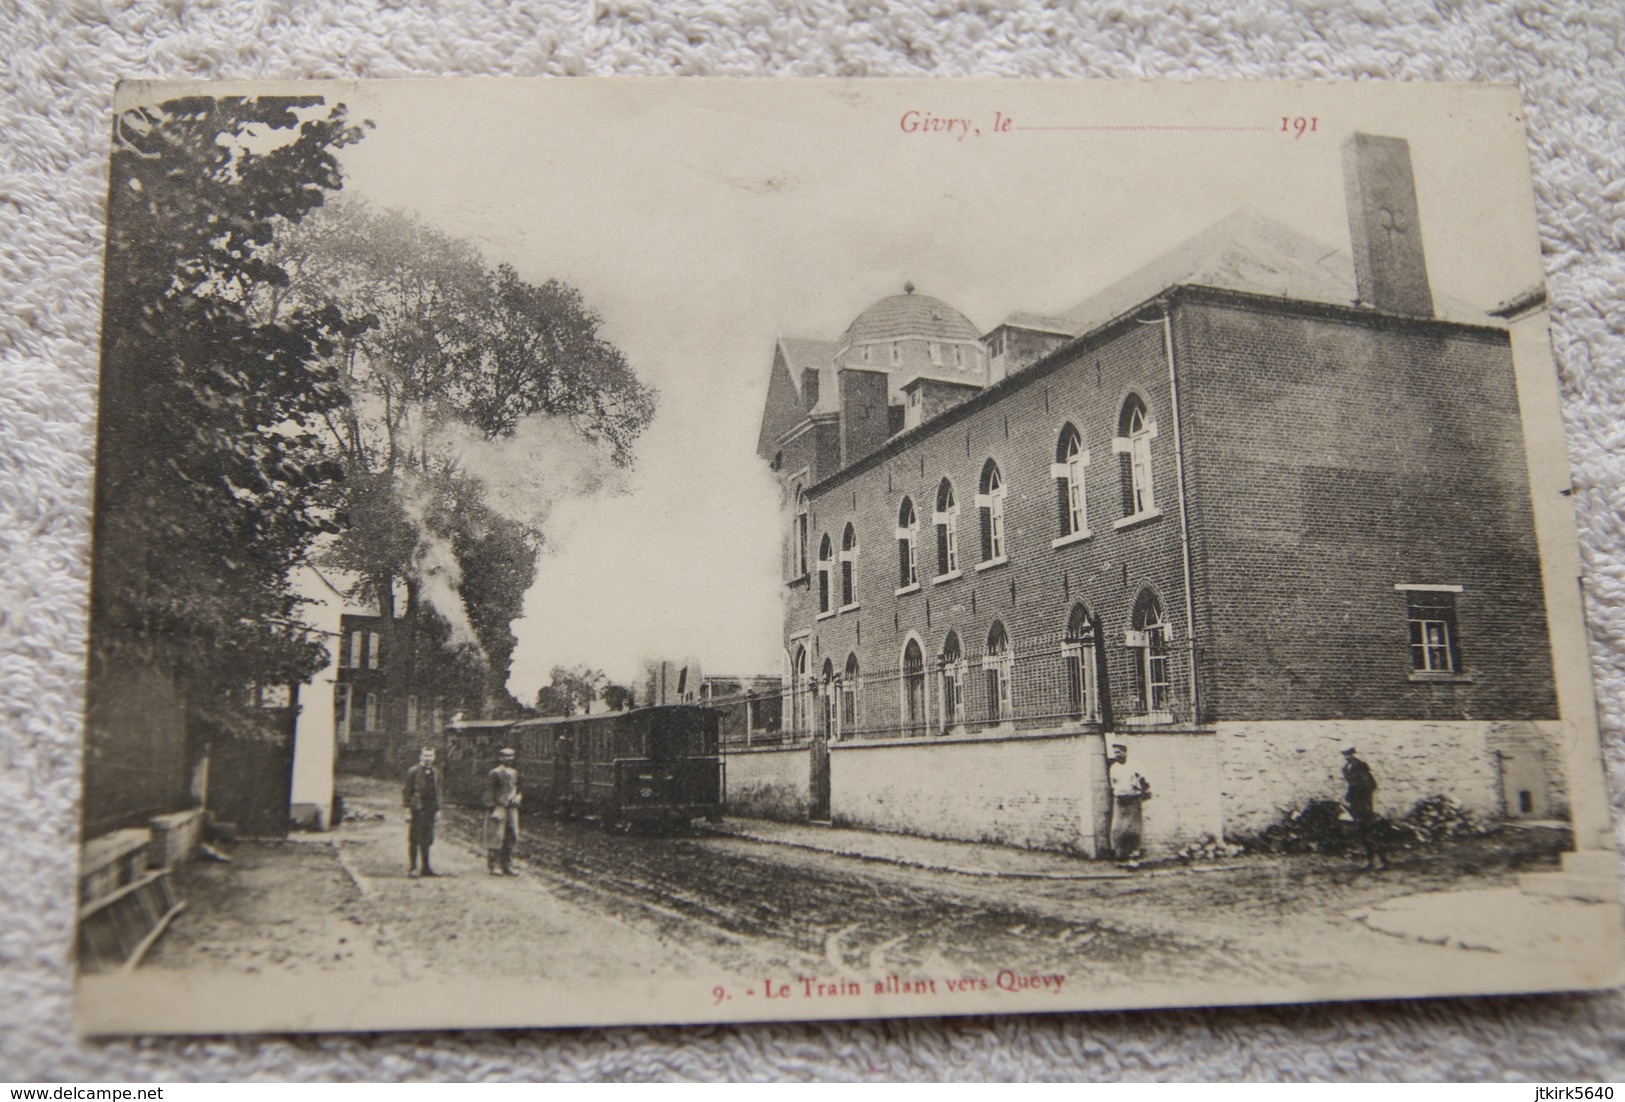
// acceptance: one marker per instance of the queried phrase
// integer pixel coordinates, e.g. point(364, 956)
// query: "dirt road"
point(592, 905)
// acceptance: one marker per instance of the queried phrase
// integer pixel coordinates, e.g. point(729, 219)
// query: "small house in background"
point(751, 704)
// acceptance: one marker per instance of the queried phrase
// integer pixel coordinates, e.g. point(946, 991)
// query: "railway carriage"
point(645, 766)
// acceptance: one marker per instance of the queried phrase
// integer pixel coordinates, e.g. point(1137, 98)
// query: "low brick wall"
point(1269, 767)
point(1040, 792)
point(771, 783)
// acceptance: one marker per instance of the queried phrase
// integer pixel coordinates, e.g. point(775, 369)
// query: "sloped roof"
point(1041, 323)
point(1253, 253)
point(1246, 251)
point(801, 355)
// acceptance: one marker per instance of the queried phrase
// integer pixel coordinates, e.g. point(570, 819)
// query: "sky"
point(703, 220)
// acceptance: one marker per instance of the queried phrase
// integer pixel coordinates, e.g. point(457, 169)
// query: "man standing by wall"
point(502, 824)
point(1361, 797)
point(1129, 793)
point(422, 800)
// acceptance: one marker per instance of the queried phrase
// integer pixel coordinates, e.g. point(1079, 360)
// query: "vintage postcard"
point(612, 551)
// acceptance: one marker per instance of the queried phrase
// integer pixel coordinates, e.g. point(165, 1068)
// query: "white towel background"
point(58, 63)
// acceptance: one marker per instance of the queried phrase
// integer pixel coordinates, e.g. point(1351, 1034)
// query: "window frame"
point(849, 568)
point(828, 704)
point(1153, 662)
point(826, 578)
point(908, 542)
point(953, 681)
point(1080, 651)
point(1423, 648)
point(1136, 429)
point(998, 663)
point(945, 519)
point(851, 680)
point(799, 535)
point(1070, 471)
point(800, 713)
point(914, 711)
point(990, 504)
point(343, 707)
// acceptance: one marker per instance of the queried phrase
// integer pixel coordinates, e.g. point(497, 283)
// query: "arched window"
point(946, 520)
point(953, 681)
point(1071, 458)
point(908, 530)
point(826, 566)
point(996, 664)
point(826, 700)
point(412, 714)
point(1135, 431)
point(1150, 639)
point(1080, 651)
point(849, 565)
point(800, 714)
point(849, 695)
point(370, 717)
point(798, 537)
point(990, 505)
point(914, 718)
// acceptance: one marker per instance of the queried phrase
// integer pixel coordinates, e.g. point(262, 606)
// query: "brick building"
point(1250, 504)
point(395, 692)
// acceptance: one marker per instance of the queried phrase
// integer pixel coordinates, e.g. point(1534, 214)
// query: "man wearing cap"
point(1129, 793)
point(422, 800)
point(502, 824)
point(1361, 796)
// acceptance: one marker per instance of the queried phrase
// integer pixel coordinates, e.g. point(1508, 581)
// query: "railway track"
point(752, 905)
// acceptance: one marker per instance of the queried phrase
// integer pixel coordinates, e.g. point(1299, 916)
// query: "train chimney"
point(1390, 272)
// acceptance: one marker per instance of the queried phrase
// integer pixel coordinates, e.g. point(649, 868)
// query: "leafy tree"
point(453, 354)
point(212, 480)
point(570, 691)
point(618, 698)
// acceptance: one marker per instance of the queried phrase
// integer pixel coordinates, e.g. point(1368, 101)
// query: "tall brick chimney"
point(1390, 272)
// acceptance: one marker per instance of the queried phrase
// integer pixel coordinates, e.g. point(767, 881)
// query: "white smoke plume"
point(439, 575)
point(544, 464)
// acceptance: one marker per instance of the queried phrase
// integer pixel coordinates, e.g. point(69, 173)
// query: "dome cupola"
point(911, 336)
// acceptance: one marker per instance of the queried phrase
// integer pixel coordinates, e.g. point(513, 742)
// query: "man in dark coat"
point(502, 823)
point(422, 800)
point(1361, 797)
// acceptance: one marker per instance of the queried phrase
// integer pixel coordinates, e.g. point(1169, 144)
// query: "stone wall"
point(769, 784)
point(1273, 766)
point(1042, 792)
point(1185, 802)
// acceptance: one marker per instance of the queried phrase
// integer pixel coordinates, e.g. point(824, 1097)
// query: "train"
point(649, 767)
